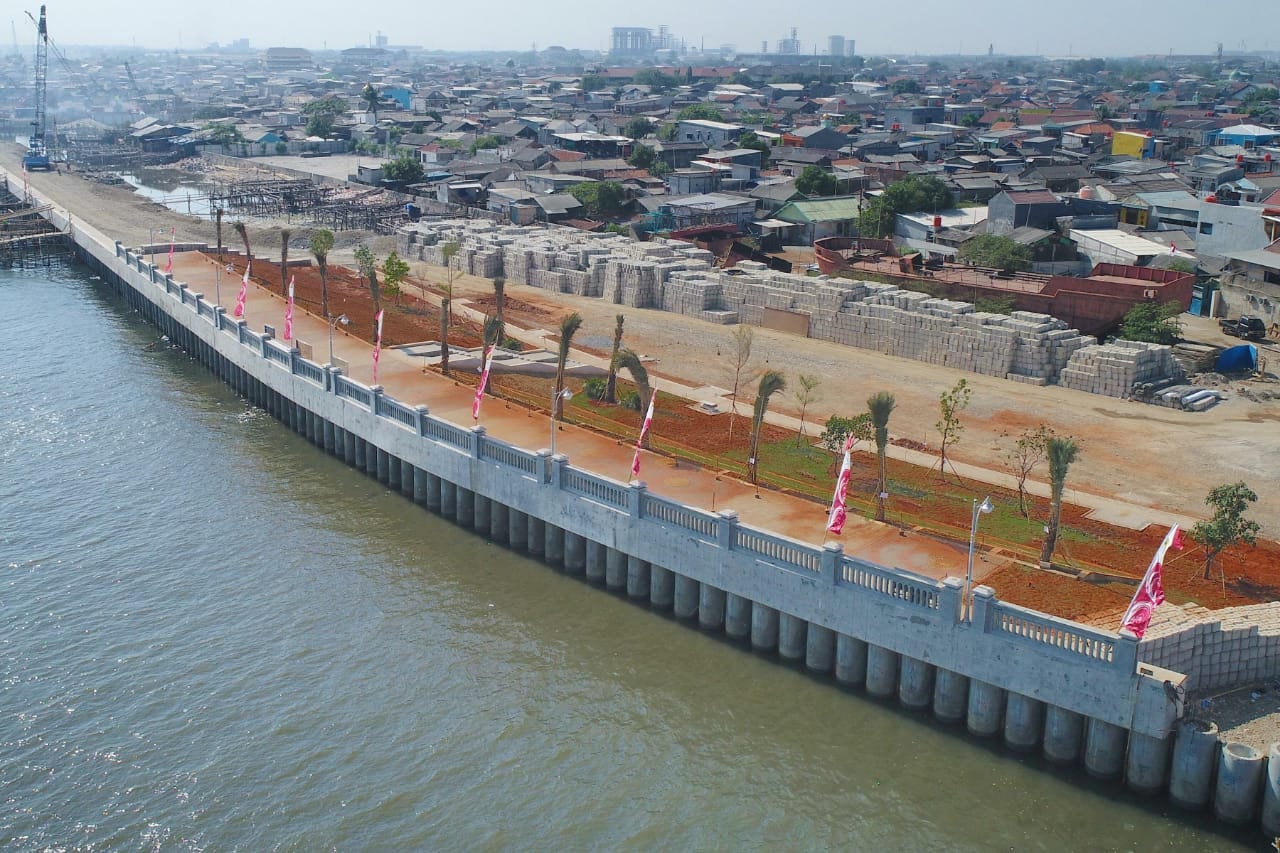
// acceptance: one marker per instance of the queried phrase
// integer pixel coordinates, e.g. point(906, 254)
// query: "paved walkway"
point(403, 378)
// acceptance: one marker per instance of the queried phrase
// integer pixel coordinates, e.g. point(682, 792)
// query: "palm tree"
point(285, 234)
point(629, 359)
point(370, 97)
point(568, 328)
point(321, 244)
point(1061, 452)
point(770, 383)
point(611, 387)
point(217, 220)
point(499, 306)
point(880, 405)
point(244, 237)
point(448, 250)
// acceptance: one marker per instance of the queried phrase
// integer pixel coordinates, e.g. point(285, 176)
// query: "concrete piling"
point(615, 570)
point(326, 436)
point(575, 554)
point(499, 522)
point(662, 586)
point(406, 478)
point(362, 454)
point(466, 508)
point(639, 580)
point(482, 516)
point(737, 617)
point(851, 660)
point(537, 536)
point(1063, 732)
point(915, 683)
point(711, 603)
point(1271, 793)
point(553, 545)
point(1236, 795)
point(819, 648)
point(791, 637)
point(950, 696)
point(1195, 753)
point(986, 706)
point(882, 671)
point(383, 466)
point(764, 627)
point(349, 442)
point(686, 597)
point(419, 486)
point(518, 530)
point(1022, 722)
point(371, 459)
point(1103, 749)
point(434, 493)
point(595, 562)
point(448, 499)
point(393, 473)
point(1146, 763)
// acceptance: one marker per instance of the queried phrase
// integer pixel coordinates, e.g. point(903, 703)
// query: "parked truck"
point(1249, 328)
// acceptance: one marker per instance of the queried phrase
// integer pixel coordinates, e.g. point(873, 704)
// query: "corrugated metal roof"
point(819, 210)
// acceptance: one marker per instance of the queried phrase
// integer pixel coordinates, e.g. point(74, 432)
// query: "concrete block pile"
point(683, 279)
point(1216, 649)
point(1113, 369)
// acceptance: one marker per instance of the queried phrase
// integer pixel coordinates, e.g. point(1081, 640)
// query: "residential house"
point(1246, 136)
point(711, 209)
point(1035, 208)
point(836, 216)
point(711, 133)
point(693, 181)
point(816, 137)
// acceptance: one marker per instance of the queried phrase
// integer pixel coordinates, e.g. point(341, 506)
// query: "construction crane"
point(37, 156)
point(137, 92)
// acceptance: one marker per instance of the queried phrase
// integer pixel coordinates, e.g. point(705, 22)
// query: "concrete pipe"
point(819, 648)
point(686, 598)
point(382, 466)
point(448, 499)
point(575, 554)
point(328, 436)
point(737, 617)
point(1146, 765)
point(1023, 721)
point(1271, 793)
point(791, 631)
point(1195, 753)
point(851, 660)
point(639, 584)
point(764, 627)
point(1240, 771)
point(595, 562)
point(349, 447)
point(1063, 733)
point(419, 486)
point(393, 472)
point(362, 454)
point(1103, 749)
point(986, 705)
point(518, 530)
point(615, 570)
point(466, 514)
point(406, 478)
point(882, 671)
point(371, 459)
point(662, 584)
point(711, 602)
point(434, 497)
point(915, 683)
point(950, 696)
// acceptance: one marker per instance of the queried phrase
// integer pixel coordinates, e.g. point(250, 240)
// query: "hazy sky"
point(1082, 28)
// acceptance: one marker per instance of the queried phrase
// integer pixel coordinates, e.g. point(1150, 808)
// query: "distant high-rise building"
point(835, 45)
point(379, 40)
point(632, 41)
point(848, 47)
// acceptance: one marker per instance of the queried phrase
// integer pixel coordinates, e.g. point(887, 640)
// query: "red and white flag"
point(288, 313)
point(1151, 591)
point(644, 430)
point(484, 380)
point(377, 345)
point(244, 292)
point(168, 267)
point(835, 520)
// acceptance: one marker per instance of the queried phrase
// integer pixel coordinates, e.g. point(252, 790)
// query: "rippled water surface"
point(214, 637)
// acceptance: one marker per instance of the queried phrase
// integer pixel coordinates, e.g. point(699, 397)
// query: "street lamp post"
point(333, 321)
point(557, 398)
point(979, 509)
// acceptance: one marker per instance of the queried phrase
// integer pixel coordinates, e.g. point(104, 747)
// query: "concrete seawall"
point(1074, 693)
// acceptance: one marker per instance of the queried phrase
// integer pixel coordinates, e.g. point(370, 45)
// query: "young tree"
point(602, 199)
point(285, 234)
point(403, 169)
point(993, 250)
point(637, 128)
point(1152, 322)
point(611, 389)
point(700, 112)
point(814, 181)
point(770, 383)
point(807, 393)
point(743, 338)
point(394, 272)
point(322, 114)
point(837, 431)
point(321, 244)
point(1061, 452)
point(1228, 525)
point(368, 266)
point(951, 404)
point(1027, 452)
point(631, 361)
point(880, 406)
point(568, 328)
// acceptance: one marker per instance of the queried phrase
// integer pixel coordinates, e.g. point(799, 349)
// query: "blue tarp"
point(1237, 359)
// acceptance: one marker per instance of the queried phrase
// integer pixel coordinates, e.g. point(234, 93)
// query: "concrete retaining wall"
point(1219, 648)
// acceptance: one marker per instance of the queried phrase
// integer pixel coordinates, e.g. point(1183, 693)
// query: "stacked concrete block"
point(1113, 369)
point(1218, 649)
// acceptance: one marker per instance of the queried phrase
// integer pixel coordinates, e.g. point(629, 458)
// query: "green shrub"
point(595, 388)
point(629, 400)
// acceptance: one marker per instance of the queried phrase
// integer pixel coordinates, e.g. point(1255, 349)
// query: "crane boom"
point(37, 156)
